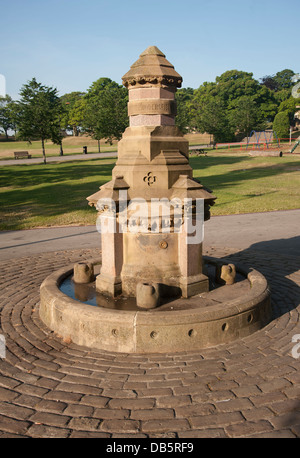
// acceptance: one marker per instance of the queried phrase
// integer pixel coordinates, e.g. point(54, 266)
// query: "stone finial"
point(152, 82)
point(152, 69)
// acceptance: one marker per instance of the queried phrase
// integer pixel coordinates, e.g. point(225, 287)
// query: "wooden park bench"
point(22, 155)
point(197, 152)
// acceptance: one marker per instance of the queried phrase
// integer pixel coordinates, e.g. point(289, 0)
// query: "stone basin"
point(223, 314)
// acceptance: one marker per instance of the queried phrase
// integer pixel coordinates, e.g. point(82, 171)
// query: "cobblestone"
point(54, 388)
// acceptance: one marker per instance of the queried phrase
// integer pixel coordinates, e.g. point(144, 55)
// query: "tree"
point(105, 114)
point(76, 115)
point(246, 116)
point(214, 121)
point(266, 103)
point(269, 82)
point(183, 118)
point(9, 112)
point(14, 111)
point(289, 105)
point(234, 84)
point(281, 124)
point(8, 115)
point(232, 105)
point(70, 119)
point(40, 114)
point(208, 113)
point(5, 115)
point(284, 79)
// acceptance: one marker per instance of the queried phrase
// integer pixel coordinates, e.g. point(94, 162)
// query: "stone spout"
point(83, 272)
point(147, 295)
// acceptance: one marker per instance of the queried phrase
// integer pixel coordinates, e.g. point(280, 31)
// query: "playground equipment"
point(265, 138)
point(297, 143)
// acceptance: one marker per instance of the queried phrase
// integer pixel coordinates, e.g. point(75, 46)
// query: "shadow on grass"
point(37, 174)
point(235, 177)
point(48, 191)
point(203, 162)
point(55, 189)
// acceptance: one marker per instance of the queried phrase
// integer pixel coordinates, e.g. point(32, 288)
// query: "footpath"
point(69, 157)
point(277, 232)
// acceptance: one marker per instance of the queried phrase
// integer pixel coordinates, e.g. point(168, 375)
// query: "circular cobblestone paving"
point(53, 388)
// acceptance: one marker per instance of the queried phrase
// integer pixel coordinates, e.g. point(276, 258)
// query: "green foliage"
point(72, 115)
point(284, 79)
point(183, 119)
point(281, 124)
point(281, 81)
point(9, 111)
point(6, 114)
point(246, 116)
point(269, 82)
point(234, 105)
point(234, 84)
point(105, 113)
point(208, 113)
point(228, 108)
point(76, 115)
point(39, 114)
point(289, 105)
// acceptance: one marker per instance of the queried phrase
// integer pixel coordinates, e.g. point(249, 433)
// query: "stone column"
point(192, 280)
point(109, 280)
point(151, 106)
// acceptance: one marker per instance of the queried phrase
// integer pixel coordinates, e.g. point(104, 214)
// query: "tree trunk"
point(61, 151)
point(98, 146)
point(44, 153)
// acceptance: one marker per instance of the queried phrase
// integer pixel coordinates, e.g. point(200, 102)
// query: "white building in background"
point(2, 86)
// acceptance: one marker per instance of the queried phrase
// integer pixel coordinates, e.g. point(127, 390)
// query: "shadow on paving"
point(60, 237)
point(259, 257)
point(285, 297)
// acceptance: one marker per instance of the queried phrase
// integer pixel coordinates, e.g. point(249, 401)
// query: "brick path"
point(52, 388)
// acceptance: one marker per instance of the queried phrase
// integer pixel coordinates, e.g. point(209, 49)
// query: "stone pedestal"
point(152, 165)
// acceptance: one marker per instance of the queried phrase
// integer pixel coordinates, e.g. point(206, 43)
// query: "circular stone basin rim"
point(143, 331)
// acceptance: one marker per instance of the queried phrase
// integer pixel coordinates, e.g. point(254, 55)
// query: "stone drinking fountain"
point(153, 291)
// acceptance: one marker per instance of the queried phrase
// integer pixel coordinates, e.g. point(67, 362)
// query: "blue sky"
point(69, 44)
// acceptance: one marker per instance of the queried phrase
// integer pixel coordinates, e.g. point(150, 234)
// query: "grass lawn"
point(246, 184)
point(71, 145)
point(55, 194)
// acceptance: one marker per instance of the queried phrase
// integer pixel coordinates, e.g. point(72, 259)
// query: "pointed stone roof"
point(152, 50)
point(186, 187)
point(152, 69)
point(109, 190)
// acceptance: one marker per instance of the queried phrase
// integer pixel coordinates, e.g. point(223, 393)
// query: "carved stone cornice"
point(152, 69)
point(162, 81)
